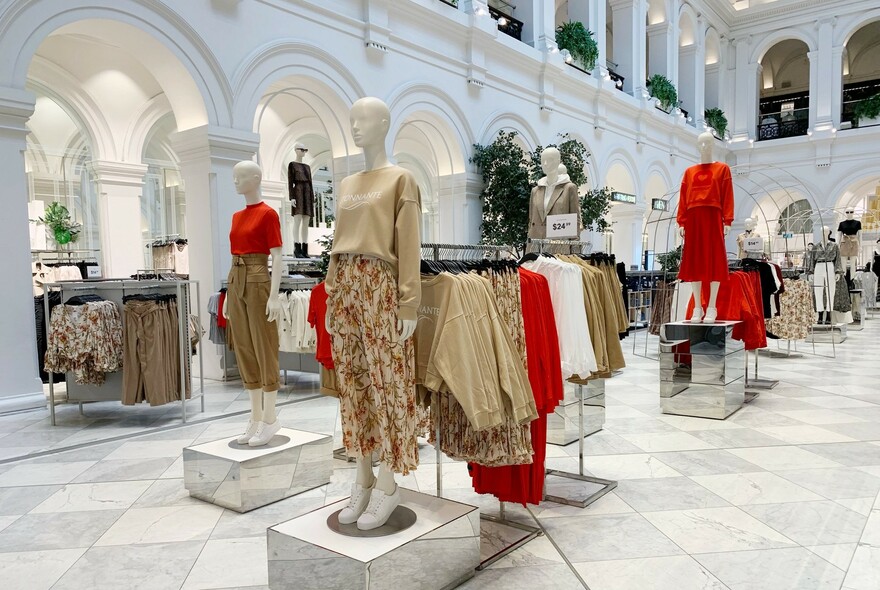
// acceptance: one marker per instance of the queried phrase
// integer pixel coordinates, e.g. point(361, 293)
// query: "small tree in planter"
point(594, 207)
point(505, 195)
point(575, 37)
point(716, 120)
point(867, 110)
point(664, 91)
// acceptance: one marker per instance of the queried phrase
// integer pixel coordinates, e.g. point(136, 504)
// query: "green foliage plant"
point(867, 109)
point(62, 227)
point(716, 120)
point(664, 91)
point(575, 37)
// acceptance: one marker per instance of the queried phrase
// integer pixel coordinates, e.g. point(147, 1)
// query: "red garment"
point(256, 229)
point(706, 185)
point(739, 299)
point(317, 313)
point(525, 483)
point(704, 257)
point(221, 319)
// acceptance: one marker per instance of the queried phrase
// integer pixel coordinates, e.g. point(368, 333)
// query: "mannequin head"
point(826, 233)
point(301, 150)
point(750, 224)
point(551, 160)
point(705, 143)
point(850, 212)
point(247, 177)
point(370, 120)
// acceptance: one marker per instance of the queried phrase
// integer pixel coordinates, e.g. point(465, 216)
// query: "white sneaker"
point(380, 509)
point(360, 497)
point(696, 317)
point(264, 434)
point(711, 316)
point(249, 432)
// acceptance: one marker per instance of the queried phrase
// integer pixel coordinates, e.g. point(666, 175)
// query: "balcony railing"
point(507, 24)
point(616, 78)
point(788, 124)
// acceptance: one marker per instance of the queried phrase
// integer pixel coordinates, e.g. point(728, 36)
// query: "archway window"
point(796, 218)
point(784, 105)
point(861, 70)
point(163, 203)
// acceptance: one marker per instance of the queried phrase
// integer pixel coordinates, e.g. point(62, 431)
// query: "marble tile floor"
point(783, 495)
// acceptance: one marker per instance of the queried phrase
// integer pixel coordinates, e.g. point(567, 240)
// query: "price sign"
point(753, 244)
point(94, 272)
point(562, 226)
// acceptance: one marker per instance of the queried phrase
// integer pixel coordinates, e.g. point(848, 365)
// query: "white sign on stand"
point(94, 272)
point(562, 226)
point(753, 244)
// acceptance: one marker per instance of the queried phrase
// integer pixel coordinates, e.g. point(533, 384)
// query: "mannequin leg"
point(383, 500)
point(697, 316)
point(712, 309)
point(365, 477)
point(269, 424)
point(361, 491)
point(269, 399)
point(297, 222)
point(253, 424)
point(301, 233)
point(385, 482)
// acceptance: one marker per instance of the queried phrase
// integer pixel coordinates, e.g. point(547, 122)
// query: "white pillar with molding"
point(597, 21)
point(628, 223)
point(630, 34)
point(120, 190)
point(20, 385)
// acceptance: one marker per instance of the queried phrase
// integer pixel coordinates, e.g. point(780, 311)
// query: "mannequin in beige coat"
point(555, 194)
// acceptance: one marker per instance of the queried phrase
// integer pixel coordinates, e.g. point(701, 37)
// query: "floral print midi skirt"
point(375, 371)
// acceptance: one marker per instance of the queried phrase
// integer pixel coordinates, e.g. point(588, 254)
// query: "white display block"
point(440, 551)
point(243, 478)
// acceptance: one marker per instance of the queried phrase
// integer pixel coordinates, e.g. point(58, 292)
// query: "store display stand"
point(563, 425)
point(243, 478)
point(604, 485)
point(439, 551)
point(756, 382)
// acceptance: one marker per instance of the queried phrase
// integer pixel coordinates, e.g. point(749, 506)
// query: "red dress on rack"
point(739, 299)
point(705, 205)
point(525, 483)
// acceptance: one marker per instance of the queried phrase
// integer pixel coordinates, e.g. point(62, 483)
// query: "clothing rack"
point(541, 242)
point(120, 287)
point(530, 532)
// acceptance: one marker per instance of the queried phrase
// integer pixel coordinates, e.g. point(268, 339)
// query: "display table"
point(439, 551)
point(562, 424)
point(702, 370)
point(243, 478)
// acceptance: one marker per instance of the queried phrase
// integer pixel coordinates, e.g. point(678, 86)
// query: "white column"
point(699, 77)
point(662, 50)
point(813, 56)
point(821, 101)
point(207, 156)
point(629, 221)
point(597, 22)
point(687, 78)
point(120, 189)
point(629, 21)
point(539, 23)
point(20, 386)
point(836, 84)
point(745, 111)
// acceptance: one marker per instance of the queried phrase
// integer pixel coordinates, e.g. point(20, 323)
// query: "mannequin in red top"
point(705, 212)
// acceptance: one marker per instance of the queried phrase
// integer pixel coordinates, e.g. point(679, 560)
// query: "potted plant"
point(63, 229)
point(867, 112)
point(670, 261)
point(716, 120)
point(575, 37)
point(664, 91)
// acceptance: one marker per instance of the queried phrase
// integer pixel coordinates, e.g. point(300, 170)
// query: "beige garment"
point(256, 338)
point(151, 365)
point(378, 214)
point(564, 199)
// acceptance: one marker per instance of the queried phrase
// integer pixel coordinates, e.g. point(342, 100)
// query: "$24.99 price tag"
point(562, 226)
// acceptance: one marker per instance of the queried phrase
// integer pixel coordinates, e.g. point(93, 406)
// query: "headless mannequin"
point(705, 143)
point(370, 121)
point(825, 316)
point(850, 262)
point(248, 177)
point(301, 222)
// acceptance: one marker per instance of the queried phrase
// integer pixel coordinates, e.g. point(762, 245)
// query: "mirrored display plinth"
point(562, 424)
point(827, 333)
point(243, 478)
point(438, 552)
point(702, 370)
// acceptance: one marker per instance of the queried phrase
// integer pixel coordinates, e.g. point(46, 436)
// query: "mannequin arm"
point(726, 230)
point(273, 306)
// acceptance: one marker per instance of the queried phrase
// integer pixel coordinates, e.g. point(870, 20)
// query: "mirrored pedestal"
point(702, 370)
point(439, 551)
point(827, 333)
point(243, 478)
point(562, 424)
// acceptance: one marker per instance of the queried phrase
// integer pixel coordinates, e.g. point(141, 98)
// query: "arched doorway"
point(784, 104)
point(861, 71)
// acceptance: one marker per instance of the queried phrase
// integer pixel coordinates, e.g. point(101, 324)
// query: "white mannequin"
point(828, 287)
point(750, 226)
point(248, 177)
point(705, 143)
point(301, 222)
point(850, 262)
point(370, 122)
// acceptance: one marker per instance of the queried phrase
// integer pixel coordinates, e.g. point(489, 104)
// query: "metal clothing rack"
point(541, 242)
point(530, 532)
point(182, 290)
point(606, 485)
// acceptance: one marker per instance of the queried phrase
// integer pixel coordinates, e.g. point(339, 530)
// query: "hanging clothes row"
point(295, 334)
point(217, 323)
point(85, 337)
point(170, 254)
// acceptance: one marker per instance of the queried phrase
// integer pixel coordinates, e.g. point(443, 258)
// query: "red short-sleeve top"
point(256, 229)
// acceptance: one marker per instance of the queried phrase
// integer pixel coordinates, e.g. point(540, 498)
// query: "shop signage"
point(658, 204)
point(93, 272)
point(623, 198)
point(753, 244)
point(788, 235)
point(562, 226)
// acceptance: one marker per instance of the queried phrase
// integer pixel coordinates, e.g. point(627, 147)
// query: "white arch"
point(862, 19)
point(141, 127)
point(622, 157)
point(686, 13)
point(165, 43)
point(506, 121)
point(769, 41)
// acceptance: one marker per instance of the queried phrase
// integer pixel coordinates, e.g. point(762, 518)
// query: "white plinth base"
point(438, 552)
point(243, 478)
